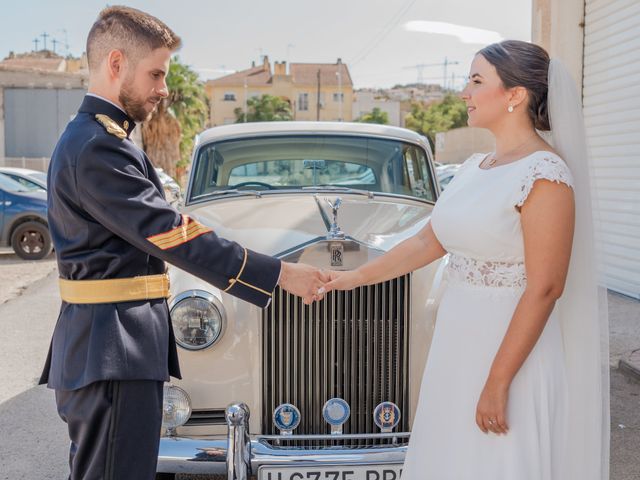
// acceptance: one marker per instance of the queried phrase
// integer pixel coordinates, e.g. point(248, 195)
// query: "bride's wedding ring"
point(491, 421)
point(320, 291)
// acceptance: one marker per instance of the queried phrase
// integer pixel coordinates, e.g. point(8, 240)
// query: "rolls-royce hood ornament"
point(335, 233)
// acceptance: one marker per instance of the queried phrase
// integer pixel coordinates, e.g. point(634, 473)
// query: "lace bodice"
point(477, 218)
point(486, 273)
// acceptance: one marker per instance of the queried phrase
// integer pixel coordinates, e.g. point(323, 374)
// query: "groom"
point(112, 229)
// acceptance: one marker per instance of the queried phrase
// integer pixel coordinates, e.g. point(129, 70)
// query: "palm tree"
point(168, 136)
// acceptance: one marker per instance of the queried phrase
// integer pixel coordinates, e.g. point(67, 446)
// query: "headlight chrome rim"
point(214, 301)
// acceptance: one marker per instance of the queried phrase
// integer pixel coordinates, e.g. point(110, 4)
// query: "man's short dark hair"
point(129, 30)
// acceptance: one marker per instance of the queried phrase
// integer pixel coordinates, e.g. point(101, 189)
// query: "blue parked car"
point(23, 220)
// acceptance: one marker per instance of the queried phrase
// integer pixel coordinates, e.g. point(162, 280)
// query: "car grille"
point(353, 345)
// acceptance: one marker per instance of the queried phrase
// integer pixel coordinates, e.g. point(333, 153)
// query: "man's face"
point(144, 84)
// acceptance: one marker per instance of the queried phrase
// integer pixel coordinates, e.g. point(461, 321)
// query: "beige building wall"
point(558, 26)
point(456, 145)
point(329, 106)
point(280, 85)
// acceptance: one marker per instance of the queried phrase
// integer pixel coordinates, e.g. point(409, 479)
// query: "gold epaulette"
point(111, 126)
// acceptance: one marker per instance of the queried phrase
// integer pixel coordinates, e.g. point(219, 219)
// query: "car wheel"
point(31, 241)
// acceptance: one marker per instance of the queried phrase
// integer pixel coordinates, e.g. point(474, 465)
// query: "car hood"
point(275, 223)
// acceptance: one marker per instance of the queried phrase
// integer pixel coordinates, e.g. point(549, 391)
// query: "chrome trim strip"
point(209, 455)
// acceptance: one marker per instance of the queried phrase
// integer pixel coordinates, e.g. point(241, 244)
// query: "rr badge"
point(337, 254)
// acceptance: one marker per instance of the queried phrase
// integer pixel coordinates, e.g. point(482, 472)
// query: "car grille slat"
point(353, 345)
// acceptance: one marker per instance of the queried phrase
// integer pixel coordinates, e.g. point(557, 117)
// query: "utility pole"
point(36, 41)
point(44, 36)
point(55, 42)
point(445, 64)
point(245, 99)
point(339, 74)
point(318, 100)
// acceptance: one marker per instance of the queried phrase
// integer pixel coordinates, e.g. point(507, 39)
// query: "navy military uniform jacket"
point(109, 219)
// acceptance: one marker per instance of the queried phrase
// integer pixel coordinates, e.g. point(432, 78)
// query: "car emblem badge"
point(337, 254)
point(286, 418)
point(387, 416)
point(336, 412)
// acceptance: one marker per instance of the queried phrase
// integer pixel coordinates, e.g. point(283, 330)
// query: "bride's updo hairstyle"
point(523, 64)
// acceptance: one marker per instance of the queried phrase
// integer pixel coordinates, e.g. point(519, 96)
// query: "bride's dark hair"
point(523, 64)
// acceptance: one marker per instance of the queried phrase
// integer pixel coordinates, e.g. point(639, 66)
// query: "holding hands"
point(303, 280)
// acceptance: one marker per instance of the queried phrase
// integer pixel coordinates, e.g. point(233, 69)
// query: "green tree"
point(450, 113)
point(265, 108)
point(375, 116)
point(168, 136)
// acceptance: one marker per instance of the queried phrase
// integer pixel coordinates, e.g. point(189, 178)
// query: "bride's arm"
point(547, 219)
point(411, 254)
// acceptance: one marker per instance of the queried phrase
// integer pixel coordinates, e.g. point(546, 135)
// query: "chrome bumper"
point(239, 455)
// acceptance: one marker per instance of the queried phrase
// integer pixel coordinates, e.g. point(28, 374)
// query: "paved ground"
point(33, 442)
point(16, 274)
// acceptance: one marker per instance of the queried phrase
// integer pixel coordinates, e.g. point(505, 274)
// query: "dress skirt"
point(446, 443)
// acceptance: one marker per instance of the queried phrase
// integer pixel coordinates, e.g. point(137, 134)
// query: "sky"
point(381, 41)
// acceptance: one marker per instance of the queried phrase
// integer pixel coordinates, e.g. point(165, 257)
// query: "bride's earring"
point(510, 109)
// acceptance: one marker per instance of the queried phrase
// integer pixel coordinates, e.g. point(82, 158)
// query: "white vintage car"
point(326, 391)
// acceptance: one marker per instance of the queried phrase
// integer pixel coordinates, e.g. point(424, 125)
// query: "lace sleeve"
point(549, 167)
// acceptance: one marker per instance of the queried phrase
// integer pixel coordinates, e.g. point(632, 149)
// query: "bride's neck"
point(512, 135)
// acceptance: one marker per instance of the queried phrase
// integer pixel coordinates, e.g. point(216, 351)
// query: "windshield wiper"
point(336, 188)
point(232, 191)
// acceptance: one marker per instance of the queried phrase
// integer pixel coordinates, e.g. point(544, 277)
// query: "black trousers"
point(114, 427)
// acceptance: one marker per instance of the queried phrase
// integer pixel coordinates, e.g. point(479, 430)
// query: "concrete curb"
point(630, 365)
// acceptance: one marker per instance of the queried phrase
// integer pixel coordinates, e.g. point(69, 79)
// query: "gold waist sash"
point(115, 290)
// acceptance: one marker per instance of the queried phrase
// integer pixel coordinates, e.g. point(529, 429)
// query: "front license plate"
point(336, 472)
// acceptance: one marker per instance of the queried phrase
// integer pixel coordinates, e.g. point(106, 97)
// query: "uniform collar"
point(94, 104)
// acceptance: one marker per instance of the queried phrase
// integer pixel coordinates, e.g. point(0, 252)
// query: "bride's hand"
point(492, 408)
point(343, 281)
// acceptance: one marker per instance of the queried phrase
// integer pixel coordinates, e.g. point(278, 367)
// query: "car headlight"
point(198, 319)
point(176, 407)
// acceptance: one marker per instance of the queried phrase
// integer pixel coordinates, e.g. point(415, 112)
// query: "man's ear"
point(517, 95)
point(115, 64)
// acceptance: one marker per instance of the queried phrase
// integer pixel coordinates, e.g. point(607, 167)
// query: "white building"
point(364, 102)
point(599, 41)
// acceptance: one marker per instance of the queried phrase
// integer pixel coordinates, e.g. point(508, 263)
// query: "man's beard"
point(135, 106)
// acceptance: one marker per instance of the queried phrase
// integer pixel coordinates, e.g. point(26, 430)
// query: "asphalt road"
point(33, 442)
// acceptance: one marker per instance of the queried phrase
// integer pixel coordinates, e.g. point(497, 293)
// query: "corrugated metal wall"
point(34, 118)
point(612, 116)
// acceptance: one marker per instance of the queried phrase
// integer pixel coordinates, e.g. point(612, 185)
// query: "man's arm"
point(114, 190)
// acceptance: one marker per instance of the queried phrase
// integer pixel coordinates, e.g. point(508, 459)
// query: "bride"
point(516, 382)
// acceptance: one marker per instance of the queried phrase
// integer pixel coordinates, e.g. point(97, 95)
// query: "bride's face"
point(486, 98)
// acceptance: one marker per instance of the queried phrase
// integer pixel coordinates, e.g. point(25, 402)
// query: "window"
point(229, 97)
point(338, 97)
point(303, 102)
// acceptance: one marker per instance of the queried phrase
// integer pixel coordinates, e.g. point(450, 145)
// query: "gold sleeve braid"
point(233, 281)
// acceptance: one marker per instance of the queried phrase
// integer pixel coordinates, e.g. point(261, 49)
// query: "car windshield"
point(10, 185)
point(29, 185)
point(41, 176)
point(296, 162)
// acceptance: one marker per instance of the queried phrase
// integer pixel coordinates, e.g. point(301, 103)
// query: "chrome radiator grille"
point(353, 345)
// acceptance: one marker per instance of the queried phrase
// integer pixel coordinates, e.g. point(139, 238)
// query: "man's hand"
point(303, 280)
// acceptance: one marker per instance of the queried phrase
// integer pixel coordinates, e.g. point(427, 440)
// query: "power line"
point(362, 54)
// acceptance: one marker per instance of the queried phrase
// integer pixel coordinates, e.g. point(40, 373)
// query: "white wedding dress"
point(477, 222)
